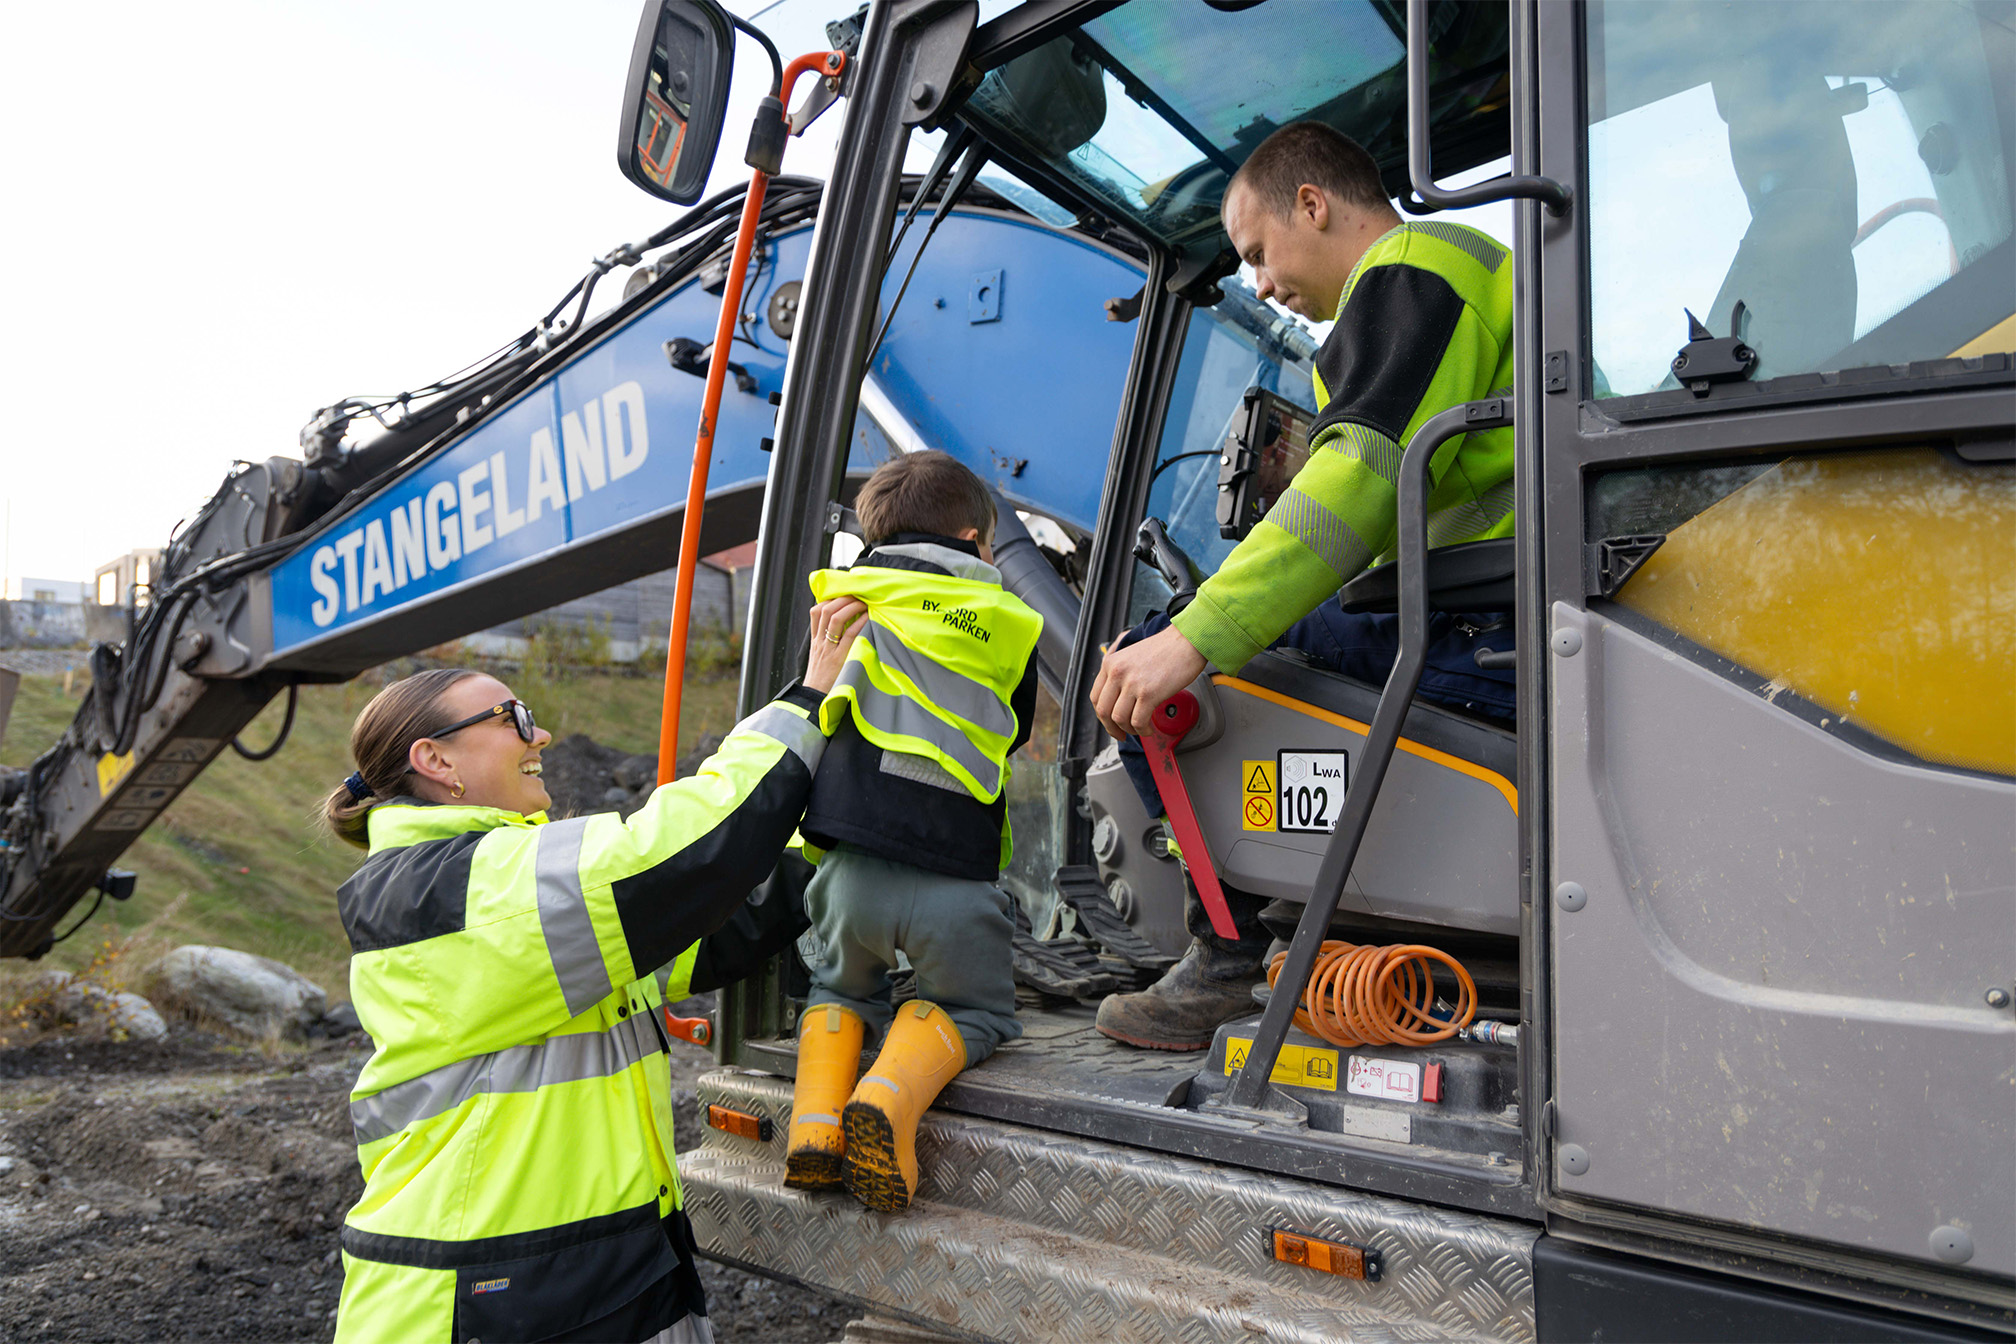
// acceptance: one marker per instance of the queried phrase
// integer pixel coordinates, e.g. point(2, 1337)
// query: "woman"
point(515, 1124)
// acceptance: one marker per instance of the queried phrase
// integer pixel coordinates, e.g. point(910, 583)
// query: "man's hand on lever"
point(1134, 680)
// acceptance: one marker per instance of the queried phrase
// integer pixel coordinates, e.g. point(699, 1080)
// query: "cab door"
point(1775, 886)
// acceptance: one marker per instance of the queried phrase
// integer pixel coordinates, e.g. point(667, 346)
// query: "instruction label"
point(1295, 1066)
point(1256, 810)
point(1393, 1079)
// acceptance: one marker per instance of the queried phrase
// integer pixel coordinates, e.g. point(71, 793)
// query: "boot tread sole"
point(813, 1169)
point(870, 1170)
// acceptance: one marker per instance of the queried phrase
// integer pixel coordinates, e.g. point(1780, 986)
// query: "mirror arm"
point(769, 49)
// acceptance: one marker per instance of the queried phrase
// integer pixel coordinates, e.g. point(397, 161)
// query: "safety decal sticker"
point(1295, 1066)
point(1256, 810)
point(112, 769)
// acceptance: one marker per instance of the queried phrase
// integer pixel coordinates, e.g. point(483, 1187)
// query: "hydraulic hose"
point(1363, 995)
point(1025, 573)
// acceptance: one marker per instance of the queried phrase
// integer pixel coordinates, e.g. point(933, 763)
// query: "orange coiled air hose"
point(1362, 995)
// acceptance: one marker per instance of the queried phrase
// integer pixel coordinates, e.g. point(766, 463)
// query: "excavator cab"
point(1269, 763)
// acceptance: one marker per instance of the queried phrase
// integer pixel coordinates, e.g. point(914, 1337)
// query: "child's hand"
point(835, 623)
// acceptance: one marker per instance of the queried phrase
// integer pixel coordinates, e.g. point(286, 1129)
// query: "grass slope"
point(242, 860)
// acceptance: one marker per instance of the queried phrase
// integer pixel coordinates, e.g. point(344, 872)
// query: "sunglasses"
point(521, 719)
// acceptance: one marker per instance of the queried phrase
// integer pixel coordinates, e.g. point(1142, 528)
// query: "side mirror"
point(676, 98)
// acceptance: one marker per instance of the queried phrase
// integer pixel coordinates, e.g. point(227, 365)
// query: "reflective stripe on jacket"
point(515, 1124)
point(936, 667)
point(1425, 323)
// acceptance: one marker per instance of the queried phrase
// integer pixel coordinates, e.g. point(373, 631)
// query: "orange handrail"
point(830, 63)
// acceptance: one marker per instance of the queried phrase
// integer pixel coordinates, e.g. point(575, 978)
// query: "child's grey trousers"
point(954, 930)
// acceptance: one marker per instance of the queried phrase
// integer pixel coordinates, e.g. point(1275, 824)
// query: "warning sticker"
point(112, 769)
point(1257, 810)
point(1296, 1065)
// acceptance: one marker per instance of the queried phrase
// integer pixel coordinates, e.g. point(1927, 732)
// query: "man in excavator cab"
point(1423, 322)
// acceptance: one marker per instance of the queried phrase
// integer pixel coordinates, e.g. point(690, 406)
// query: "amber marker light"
point(1332, 1257)
point(740, 1124)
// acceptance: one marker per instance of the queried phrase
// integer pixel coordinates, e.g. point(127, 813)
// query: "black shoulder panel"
point(407, 895)
point(1380, 357)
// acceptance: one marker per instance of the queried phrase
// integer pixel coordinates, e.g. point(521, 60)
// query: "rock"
point(637, 772)
point(340, 1020)
point(615, 797)
point(135, 1016)
point(76, 1003)
point(255, 996)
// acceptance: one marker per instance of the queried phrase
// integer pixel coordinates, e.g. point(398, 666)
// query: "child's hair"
point(924, 492)
point(384, 733)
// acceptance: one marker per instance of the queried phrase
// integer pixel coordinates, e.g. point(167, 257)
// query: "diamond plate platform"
point(1062, 1075)
point(1023, 1235)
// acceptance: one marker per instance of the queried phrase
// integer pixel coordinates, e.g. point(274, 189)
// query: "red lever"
point(1175, 717)
point(698, 1030)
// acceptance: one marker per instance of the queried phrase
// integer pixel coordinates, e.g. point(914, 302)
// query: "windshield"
point(1151, 107)
point(1841, 171)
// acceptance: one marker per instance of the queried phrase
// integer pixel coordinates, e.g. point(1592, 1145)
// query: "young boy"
point(908, 807)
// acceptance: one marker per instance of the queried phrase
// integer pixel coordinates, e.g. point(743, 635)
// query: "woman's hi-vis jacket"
point(515, 1124)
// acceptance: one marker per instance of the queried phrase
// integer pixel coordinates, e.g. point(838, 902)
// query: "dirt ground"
point(192, 1189)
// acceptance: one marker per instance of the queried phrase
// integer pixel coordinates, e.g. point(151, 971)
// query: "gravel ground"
point(188, 1189)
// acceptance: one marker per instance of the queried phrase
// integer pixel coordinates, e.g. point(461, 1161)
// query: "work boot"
point(1182, 1011)
point(922, 1053)
point(829, 1054)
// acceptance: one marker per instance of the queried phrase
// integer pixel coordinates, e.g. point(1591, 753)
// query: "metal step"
point(1023, 1235)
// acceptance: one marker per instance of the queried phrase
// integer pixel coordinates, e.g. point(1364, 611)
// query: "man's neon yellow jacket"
point(1425, 323)
point(515, 1123)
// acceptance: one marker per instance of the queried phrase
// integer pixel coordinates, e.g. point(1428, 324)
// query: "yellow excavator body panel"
point(1879, 586)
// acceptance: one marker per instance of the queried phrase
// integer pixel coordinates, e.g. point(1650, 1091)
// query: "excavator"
point(1705, 1029)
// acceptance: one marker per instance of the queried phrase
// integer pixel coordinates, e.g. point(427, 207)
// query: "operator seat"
point(1443, 842)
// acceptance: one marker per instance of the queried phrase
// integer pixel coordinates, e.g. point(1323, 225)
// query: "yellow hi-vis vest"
point(515, 1123)
point(934, 671)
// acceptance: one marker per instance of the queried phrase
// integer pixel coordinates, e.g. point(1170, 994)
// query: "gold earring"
point(458, 790)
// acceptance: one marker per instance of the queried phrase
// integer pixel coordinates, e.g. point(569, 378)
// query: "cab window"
point(1844, 177)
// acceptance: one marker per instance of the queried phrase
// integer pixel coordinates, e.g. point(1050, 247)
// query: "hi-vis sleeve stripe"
point(796, 732)
point(522, 1068)
point(949, 690)
point(1332, 539)
point(563, 915)
point(899, 715)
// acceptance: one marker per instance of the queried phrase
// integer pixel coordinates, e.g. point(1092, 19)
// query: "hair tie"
point(359, 790)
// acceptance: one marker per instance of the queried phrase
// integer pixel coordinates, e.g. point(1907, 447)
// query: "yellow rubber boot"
point(922, 1053)
point(829, 1055)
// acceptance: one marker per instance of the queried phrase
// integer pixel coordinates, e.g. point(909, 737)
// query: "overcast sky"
point(226, 216)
